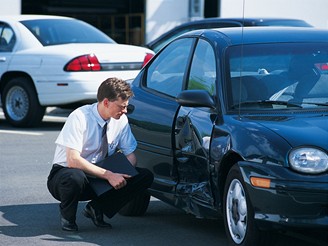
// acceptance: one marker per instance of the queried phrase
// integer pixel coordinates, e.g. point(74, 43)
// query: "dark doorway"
point(212, 8)
point(122, 20)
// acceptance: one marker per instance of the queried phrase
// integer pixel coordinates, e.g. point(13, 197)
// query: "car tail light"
point(322, 66)
point(83, 63)
point(147, 59)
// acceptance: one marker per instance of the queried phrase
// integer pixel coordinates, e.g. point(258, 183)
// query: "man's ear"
point(105, 102)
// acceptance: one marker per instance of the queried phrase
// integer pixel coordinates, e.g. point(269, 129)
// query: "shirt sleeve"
point(71, 135)
point(127, 143)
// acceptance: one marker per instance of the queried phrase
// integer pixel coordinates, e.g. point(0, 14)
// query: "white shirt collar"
point(100, 120)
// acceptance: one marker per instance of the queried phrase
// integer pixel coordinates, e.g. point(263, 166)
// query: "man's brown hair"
point(113, 89)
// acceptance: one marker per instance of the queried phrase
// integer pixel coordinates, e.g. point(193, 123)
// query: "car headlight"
point(308, 160)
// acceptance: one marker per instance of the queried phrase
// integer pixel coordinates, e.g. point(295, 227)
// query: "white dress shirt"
point(82, 132)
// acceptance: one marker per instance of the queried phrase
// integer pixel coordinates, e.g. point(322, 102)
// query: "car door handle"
point(2, 59)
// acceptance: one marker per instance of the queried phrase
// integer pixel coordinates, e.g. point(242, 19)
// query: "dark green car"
point(234, 123)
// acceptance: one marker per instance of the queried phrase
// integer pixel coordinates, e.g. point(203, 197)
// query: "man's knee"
point(146, 175)
point(73, 181)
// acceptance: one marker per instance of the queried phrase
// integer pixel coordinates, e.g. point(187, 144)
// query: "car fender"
point(243, 140)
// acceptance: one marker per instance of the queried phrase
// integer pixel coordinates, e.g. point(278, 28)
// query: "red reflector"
point(322, 66)
point(73, 66)
point(147, 59)
point(83, 63)
point(95, 65)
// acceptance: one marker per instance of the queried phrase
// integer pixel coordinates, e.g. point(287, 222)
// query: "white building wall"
point(312, 11)
point(10, 7)
point(163, 15)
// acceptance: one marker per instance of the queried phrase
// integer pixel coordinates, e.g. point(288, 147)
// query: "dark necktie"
point(104, 142)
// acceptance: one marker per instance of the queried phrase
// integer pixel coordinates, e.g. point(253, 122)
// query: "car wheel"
point(239, 214)
point(20, 103)
point(136, 207)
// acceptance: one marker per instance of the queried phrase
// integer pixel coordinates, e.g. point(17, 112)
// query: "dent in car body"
point(193, 129)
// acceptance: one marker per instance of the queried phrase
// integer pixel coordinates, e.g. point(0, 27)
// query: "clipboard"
point(116, 163)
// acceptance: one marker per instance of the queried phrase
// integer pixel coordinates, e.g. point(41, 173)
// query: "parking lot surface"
point(30, 216)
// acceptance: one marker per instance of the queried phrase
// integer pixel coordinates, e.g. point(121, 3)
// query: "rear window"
point(60, 31)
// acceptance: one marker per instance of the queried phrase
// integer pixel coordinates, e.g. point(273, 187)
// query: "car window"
point(278, 76)
point(7, 38)
point(58, 31)
point(203, 68)
point(166, 72)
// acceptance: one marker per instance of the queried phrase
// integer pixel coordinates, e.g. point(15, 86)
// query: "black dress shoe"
point(96, 216)
point(68, 225)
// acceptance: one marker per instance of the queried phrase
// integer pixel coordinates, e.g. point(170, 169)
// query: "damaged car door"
point(152, 123)
point(193, 130)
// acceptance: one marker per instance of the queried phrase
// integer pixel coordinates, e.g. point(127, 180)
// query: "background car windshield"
point(278, 76)
point(297, 23)
point(60, 31)
point(174, 35)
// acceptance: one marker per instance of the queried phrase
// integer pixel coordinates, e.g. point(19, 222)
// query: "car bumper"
point(293, 199)
point(74, 87)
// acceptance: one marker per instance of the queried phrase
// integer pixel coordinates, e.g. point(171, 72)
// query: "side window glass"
point(166, 72)
point(203, 68)
point(7, 38)
point(2, 40)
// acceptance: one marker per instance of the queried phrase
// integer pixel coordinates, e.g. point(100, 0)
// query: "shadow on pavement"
point(29, 220)
point(39, 224)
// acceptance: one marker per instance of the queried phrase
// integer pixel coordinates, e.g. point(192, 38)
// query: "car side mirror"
point(195, 98)
point(130, 109)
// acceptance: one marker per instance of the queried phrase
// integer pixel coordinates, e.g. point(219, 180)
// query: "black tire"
point(136, 207)
point(20, 103)
point(238, 213)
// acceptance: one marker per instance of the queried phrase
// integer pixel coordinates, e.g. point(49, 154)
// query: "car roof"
point(30, 17)
point(223, 23)
point(248, 35)
point(251, 21)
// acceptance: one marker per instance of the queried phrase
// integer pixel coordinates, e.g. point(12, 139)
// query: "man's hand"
point(117, 180)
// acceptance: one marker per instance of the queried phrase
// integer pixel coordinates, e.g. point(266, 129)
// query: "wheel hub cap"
point(236, 208)
point(17, 103)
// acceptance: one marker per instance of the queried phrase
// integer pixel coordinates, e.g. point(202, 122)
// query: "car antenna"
point(241, 60)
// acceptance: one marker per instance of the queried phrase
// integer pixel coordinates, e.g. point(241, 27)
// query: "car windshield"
point(64, 31)
point(277, 76)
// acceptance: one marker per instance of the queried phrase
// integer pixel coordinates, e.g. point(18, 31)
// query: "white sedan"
point(57, 61)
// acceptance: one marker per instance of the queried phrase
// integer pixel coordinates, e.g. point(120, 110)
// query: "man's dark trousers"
point(70, 185)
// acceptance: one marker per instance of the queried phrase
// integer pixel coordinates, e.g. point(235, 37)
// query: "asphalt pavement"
point(29, 215)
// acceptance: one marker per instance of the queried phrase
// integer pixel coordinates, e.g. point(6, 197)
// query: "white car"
point(57, 61)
